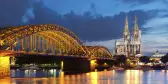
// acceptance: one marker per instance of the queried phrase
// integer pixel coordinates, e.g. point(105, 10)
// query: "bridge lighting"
point(1, 43)
point(93, 61)
point(105, 64)
point(49, 39)
point(62, 65)
point(4, 66)
point(93, 64)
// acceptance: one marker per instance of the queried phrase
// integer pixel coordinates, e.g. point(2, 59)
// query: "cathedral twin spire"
point(131, 44)
point(136, 31)
point(135, 24)
point(126, 33)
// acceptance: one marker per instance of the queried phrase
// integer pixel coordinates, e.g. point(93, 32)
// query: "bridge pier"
point(13, 60)
point(76, 65)
point(85, 65)
point(104, 64)
point(4, 67)
point(93, 65)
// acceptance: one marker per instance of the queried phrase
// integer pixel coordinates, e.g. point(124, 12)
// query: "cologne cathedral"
point(129, 45)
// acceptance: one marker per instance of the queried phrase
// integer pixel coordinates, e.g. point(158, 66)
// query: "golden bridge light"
point(4, 66)
point(1, 42)
point(93, 65)
point(62, 65)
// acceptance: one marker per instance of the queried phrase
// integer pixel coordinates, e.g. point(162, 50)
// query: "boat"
point(30, 67)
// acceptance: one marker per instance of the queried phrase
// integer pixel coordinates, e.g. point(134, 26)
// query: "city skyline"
point(96, 22)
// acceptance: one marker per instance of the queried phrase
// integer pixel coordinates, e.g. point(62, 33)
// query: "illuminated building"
point(156, 56)
point(129, 46)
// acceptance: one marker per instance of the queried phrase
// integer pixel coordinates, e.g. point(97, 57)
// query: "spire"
point(126, 33)
point(136, 32)
point(126, 25)
point(135, 24)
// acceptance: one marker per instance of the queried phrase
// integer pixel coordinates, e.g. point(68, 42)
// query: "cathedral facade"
point(129, 45)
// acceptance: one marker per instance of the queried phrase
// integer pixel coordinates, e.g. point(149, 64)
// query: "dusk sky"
point(95, 22)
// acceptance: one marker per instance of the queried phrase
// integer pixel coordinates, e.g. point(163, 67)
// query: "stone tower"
point(126, 33)
point(136, 32)
point(136, 39)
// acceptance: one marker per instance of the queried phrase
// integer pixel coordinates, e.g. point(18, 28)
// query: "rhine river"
point(101, 77)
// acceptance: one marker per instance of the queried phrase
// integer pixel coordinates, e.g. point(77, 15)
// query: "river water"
point(54, 76)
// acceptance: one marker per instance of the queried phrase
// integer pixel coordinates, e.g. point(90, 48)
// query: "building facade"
point(157, 55)
point(129, 45)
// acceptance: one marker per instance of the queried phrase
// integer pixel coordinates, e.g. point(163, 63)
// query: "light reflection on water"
point(104, 77)
point(34, 73)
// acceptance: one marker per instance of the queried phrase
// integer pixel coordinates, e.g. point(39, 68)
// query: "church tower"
point(136, 36)
point(126, 37)
point(126, 33)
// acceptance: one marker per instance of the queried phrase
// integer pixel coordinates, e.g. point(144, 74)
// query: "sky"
point(95, 22)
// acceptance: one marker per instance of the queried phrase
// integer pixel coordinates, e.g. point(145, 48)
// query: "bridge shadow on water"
point(69, 64)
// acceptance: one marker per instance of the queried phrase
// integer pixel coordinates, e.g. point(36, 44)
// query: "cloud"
point(110, 44)
point(138, 1)
point(153, 49)
point(65, 6)
point(157, 27)
point(157, 22)
point(106, 7)
point(29, 14)
point(153, 42)
point(89, 26)
point(12, 12)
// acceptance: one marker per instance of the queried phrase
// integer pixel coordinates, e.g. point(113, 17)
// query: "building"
point(129, 45)
point(157, 55)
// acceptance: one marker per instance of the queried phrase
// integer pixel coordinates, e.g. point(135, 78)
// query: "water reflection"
point(103, 77)
point(5, 81)
point(93, 77)
point(34, 73)
point(133, 77)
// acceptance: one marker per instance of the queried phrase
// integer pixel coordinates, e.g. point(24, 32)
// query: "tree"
point(164, 59)
point(144, 59)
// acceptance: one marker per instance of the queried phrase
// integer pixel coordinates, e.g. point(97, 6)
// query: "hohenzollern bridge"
point(48, 40)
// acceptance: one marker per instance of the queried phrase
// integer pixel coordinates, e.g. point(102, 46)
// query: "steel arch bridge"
point(99, 52)
point(41, 38)
point(48, 38)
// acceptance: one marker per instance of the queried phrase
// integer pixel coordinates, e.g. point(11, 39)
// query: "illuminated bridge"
point(46, 40)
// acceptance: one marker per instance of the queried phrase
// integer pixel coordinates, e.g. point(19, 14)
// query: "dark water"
point(104, 77)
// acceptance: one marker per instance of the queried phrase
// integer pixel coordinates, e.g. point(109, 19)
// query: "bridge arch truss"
point(47, 38)
point(99, 52)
